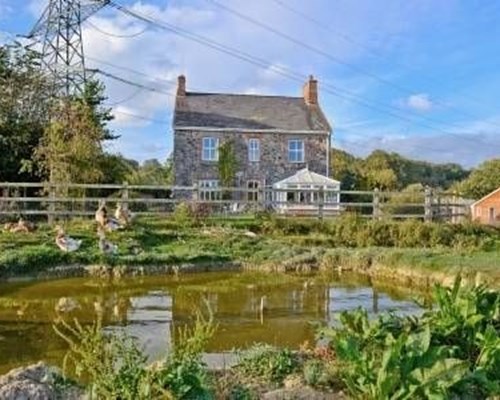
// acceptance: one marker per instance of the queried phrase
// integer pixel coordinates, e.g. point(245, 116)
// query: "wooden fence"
point(54, 200)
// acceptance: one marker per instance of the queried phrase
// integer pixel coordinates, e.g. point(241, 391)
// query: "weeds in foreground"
point(115, 367)
point(453, 350)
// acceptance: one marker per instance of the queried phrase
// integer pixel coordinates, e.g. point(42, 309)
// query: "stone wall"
point(273, 165)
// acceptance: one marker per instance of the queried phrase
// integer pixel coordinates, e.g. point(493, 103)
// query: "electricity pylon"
point(59, 31)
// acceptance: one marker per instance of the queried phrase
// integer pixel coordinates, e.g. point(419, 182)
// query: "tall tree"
point(23, 111)
point(483, 180)
point(70, 149)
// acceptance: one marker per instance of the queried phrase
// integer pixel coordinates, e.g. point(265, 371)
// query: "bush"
point(268, 363)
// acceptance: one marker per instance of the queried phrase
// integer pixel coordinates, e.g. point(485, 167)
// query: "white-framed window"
point(210, 149)
point(296, 151)
point(253, 190)
point(208, 189)
point(254, 150)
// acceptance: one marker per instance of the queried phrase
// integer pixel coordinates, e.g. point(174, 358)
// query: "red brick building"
point(487, 210)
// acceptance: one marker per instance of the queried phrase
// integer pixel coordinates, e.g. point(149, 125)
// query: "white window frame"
point(254, 150)
point(253, 187)
point(207, 189)
point(298, 151)
point(210, 149)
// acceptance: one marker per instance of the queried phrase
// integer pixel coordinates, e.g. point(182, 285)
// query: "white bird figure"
point(66, 243)
point(105, 245)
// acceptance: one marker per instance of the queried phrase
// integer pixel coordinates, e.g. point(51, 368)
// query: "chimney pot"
point(311, 91)
point(181, 86)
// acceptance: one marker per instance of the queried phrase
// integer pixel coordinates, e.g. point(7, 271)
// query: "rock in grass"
point(302, 393)
point(37, 381)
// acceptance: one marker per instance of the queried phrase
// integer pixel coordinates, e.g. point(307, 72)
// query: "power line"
point(290, 74)
point(131, 83)
point(126, 99)
point(329, 56)
point(100, 30)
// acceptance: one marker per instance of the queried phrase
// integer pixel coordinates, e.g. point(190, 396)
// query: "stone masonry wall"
point(273, 165)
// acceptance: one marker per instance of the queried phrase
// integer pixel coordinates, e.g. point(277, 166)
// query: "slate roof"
point(306, 177)
point(237, 111)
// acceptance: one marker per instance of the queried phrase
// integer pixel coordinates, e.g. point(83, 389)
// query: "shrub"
point(267, 362)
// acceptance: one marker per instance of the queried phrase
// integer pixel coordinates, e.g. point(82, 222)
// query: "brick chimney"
point(181, 86)
point(311, 91)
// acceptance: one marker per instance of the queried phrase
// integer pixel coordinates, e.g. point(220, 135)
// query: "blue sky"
point(432, 63)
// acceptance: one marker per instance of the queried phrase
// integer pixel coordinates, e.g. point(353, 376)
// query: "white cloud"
point(419, 102)
point(468, 146)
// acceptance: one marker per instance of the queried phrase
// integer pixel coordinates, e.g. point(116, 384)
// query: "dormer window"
point(210, 151)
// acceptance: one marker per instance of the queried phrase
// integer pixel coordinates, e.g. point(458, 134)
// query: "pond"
point(153, 308)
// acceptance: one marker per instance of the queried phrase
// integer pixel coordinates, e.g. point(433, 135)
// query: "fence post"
point(321, 202)
point(376, 204)
point(52, 204)
point(428, 204)
point(125, 195)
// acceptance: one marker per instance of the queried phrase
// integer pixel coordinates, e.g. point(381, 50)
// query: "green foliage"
point(267, 362)
point(483, 180)
point(115, 367)
point(453, 350)
point(227, 164)
point(22, 120)
point(70, 149)
point(112, 364)
point(152, 172)
point(351, 230)
point(315, 373)
point(391, 171)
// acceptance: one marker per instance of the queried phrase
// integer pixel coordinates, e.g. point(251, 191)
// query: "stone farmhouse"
point(273, 137)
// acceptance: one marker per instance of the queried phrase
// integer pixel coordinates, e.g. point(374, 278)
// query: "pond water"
point(153, 308)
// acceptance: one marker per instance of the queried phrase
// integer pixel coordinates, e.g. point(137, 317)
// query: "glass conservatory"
point(305, 192)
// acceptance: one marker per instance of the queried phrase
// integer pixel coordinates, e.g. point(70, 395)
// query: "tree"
point(70, 149)
point(483, 180)
point(116, 168)
point(345, 168)
point(23, 111)
point(94, 97)
point(152, 172)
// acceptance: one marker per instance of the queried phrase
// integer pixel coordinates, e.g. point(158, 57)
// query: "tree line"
point(392, 171)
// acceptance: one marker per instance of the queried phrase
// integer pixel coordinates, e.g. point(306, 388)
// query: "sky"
point(416, 77)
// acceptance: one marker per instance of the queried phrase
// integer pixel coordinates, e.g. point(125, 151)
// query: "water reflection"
point(247, 308)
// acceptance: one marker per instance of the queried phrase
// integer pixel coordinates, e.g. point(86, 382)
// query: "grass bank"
point(407, 252)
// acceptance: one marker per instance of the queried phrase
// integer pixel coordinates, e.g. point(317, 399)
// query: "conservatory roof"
point(306, 177)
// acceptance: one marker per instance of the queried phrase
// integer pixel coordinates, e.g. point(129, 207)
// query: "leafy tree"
point(94, 97)
point(70, 149)
point(23, 111)
point(152, 172)
point(116, 168)
point(483, 180)
point(345, 168)
point(391, 171)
